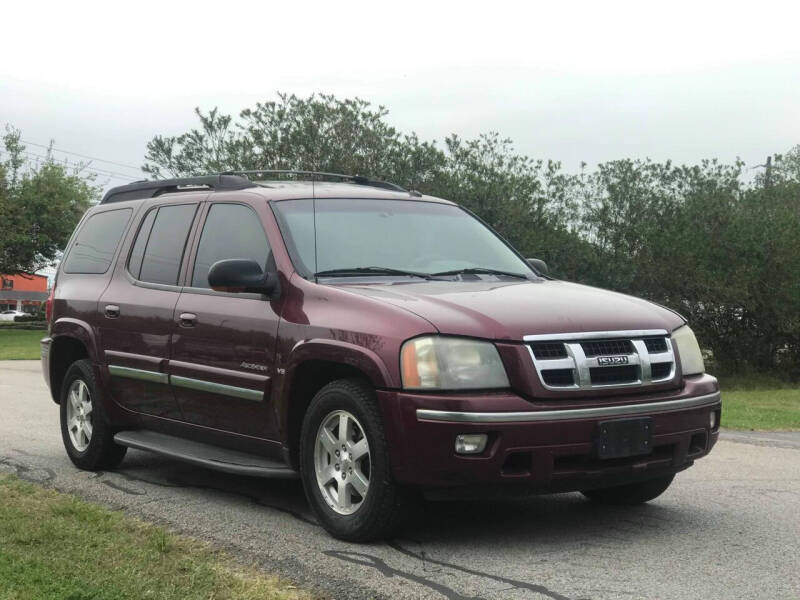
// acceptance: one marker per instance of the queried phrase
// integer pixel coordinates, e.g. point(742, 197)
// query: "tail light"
point(48, 306)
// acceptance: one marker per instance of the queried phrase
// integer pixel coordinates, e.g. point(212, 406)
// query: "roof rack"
point(357, 179)
point(148, 189)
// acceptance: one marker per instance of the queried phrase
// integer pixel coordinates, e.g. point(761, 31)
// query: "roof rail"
point(357, 179)
point(139, 190)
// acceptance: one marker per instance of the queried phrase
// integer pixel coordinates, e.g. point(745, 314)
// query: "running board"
point(204, 455)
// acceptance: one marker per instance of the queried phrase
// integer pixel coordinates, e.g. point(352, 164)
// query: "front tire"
point(88, 438)
point(344, 463)
point(630, 494)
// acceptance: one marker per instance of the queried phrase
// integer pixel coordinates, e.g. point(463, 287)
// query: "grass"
point(23, 324)
point(756, 381)
point(20, 344)
point(56, 547)
point(761, 410)
point(760, 402)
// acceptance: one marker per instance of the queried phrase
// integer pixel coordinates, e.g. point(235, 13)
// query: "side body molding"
point(201, 385)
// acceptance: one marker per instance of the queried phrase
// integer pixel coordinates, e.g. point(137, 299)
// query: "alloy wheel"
point(79, 415)
point(342, 462)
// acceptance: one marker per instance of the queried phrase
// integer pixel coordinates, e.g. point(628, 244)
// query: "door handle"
point(187, 320)
point(112, 311)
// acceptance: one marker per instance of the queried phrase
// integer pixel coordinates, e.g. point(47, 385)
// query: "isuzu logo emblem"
point(612, 360)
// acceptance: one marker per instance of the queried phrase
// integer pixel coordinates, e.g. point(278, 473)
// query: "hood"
point(511, 310)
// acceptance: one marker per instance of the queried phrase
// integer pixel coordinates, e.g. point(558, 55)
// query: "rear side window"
point(97, 242)
point(137, 254)
point(230, 231)
point(158, 250)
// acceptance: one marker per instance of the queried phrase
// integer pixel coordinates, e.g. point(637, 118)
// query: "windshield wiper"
point(348, 271)
point(480, 271)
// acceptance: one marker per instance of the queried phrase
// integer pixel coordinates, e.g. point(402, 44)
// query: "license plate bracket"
point(621, 438)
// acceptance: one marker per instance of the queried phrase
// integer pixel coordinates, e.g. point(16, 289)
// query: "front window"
point(230, 231)
point(419, 237)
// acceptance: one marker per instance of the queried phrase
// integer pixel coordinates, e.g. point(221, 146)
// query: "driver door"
point(223, 344)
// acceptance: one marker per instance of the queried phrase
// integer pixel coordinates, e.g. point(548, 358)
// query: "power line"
point(111, 162)
point(102, 172)
point(32, 157)
point(81, 167)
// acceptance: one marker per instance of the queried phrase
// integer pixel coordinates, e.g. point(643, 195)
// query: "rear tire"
point(344, 463)
point(630, 494)
point(87, 435)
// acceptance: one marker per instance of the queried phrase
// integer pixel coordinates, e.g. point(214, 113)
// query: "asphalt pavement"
point(727, 528)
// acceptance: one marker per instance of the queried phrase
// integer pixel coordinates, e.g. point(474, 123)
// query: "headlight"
point(442, 363)
point(689, 351)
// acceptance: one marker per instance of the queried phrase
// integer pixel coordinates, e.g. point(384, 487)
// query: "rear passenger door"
point(136, 311)
point(223, 344)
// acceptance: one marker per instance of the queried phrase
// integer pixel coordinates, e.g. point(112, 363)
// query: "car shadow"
point(561, 517)
point(558, 517)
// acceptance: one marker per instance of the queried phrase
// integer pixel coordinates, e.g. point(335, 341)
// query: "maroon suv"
point(375, 342)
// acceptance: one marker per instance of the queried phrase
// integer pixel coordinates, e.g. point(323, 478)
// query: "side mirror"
point(538, 265)
point(241, 275)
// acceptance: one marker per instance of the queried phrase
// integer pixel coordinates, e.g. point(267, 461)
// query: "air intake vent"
point(606, 347)
point(661, 370)
point(546, 350)
point(656, 345)
point(558, 377)
point(614, 375)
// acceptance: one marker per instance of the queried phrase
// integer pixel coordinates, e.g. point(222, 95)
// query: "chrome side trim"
point(216, 388)
point(140, 374)
point(595, 335)
point(424, 414)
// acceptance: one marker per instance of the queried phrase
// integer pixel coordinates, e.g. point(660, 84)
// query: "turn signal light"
point(48, 305)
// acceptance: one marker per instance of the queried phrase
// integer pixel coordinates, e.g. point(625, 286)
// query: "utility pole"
point(768, 174)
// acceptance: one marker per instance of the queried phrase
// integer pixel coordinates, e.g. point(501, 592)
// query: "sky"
point(569, 81)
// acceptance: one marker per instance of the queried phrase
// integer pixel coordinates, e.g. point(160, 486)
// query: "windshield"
point(400, 235)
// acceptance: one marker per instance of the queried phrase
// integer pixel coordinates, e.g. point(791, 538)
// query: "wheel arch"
point(314, 364)
point(72, 341)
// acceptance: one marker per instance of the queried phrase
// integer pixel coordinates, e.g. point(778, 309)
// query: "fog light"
point(712, 420)
point(471, 443)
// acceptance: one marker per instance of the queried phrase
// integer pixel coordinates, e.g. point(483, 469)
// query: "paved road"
point(728, 528)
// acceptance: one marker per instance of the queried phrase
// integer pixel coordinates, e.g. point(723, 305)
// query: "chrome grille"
point(606, 359)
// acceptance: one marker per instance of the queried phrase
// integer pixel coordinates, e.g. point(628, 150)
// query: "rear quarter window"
point(96, 242)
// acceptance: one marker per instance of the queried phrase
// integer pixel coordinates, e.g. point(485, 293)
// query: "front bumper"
point(543, 446)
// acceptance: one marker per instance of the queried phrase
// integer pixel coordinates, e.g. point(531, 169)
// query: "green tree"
point(40, 204)
point(524, 199)
point(318, 133)
point(786, 167)
point(722, 251)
